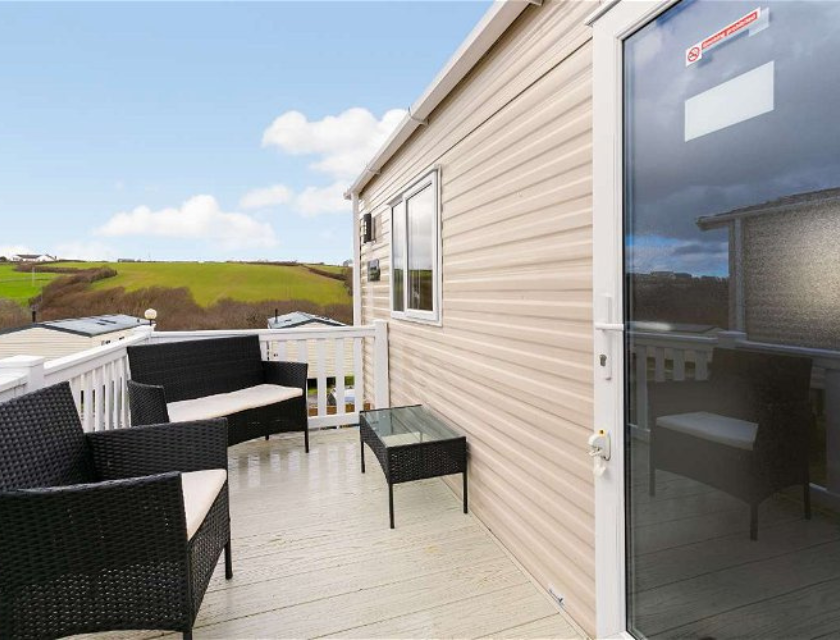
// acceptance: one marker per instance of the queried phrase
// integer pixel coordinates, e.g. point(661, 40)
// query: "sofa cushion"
point(713, 427)
point(200, 489)
point(225, 404)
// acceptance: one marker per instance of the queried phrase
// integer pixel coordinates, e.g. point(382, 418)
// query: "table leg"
point(465, 491)
point(391, 503)
point(362, 450)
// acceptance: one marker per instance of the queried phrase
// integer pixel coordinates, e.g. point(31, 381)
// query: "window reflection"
point(398, 256)
point(421, 249)
point(732, 210)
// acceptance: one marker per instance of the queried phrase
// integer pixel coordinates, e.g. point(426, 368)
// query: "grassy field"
point(209, 282)
point(19, 286)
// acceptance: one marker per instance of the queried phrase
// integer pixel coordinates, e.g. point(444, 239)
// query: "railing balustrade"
point(98, 376)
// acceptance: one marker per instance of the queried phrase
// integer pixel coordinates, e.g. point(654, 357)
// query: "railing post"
point(144, 330)
point(381, 377)
point(30, 366)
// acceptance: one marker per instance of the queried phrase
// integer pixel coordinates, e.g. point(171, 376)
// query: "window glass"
point(732, 309)
point(421, 250)
point(398, 256)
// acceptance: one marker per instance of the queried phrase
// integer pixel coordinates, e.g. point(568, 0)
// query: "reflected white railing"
point(668, 356)
point(98, 376)
point(661, 357)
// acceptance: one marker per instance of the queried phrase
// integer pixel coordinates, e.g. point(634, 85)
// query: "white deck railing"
point(98, 376)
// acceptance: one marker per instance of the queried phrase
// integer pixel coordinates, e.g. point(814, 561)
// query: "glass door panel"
point(732, 277)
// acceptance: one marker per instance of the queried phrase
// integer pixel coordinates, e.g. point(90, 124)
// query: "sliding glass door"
point(732, 317)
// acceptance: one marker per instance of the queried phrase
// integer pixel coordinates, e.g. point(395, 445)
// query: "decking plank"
point(483, 615)
point(314, 556)
point(555, 627)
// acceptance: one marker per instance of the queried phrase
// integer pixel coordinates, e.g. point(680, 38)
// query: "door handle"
point(607, 327)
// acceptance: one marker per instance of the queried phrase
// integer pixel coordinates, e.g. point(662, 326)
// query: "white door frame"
point(612, 23)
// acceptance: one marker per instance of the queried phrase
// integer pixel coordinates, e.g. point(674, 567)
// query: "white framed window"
point(415, 251)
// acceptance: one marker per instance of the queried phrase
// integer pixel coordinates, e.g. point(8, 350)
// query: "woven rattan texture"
point(406, 463)
point(147, 450)
point(105, 555)
point(427, 460)
point(41, 441)
point(206, 546)
point(147, 403)
point(376, 445)
point(148, 398)
point(197, 368)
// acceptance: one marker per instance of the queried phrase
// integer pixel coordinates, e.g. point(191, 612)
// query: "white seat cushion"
point(713, 427)
point(225, 404)
point(200, 489)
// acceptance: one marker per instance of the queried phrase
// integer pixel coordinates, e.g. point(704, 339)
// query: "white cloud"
point(314, 201)
point(92, 251)
point(261, 198)
point(199, 218)
point(343, 144)
point(8, 250)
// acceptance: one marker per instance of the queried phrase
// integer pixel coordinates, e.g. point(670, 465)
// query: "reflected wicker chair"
point(744, 431)
point(109, 530)
point(200, 379)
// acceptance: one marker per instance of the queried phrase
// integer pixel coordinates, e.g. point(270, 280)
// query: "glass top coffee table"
point(412, 444)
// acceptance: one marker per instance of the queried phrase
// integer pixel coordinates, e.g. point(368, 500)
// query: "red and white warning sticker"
point(755, 21)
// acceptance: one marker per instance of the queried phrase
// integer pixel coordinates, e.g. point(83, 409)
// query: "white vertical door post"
point(32, 367)
point(382, 393)
point(357, 262)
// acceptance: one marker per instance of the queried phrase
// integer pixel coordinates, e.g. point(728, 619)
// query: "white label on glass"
point(737, 100)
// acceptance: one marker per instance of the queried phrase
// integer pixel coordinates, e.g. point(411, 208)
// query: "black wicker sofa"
point(218, 377)
point(106, 531)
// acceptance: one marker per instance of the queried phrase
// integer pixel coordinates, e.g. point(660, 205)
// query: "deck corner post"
point(29, 367)
point(381, 377)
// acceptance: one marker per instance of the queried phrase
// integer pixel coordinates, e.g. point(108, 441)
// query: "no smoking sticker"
point(755, 21)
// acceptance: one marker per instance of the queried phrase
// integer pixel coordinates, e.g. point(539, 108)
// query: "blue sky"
point(201, 130)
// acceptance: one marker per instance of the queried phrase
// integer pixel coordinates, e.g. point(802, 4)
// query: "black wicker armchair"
point(219, 377)
point(744, 431)
point(106, 531)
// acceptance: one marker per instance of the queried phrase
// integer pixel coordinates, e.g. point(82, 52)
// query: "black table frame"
point(415, 461)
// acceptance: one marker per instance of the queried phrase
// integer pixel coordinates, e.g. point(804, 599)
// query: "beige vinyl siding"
point(50, 343)
point(511, 365)
point(42, 342)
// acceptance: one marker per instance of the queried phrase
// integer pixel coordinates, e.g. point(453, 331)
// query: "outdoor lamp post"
point(151, 316)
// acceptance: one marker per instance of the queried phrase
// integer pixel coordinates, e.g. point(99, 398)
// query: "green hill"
point(20, 287)
point(209, 282)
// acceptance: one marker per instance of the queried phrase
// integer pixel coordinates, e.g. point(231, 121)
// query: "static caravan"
point(603, 243)
point(58, 338)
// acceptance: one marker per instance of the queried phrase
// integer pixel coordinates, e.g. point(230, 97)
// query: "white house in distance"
point(58, 338)
point(32, 257)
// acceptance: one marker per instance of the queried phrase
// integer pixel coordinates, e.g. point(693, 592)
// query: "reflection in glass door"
point(732, 276)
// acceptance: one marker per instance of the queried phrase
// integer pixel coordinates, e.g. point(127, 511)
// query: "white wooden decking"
point(698, 574)
point(314, 557)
